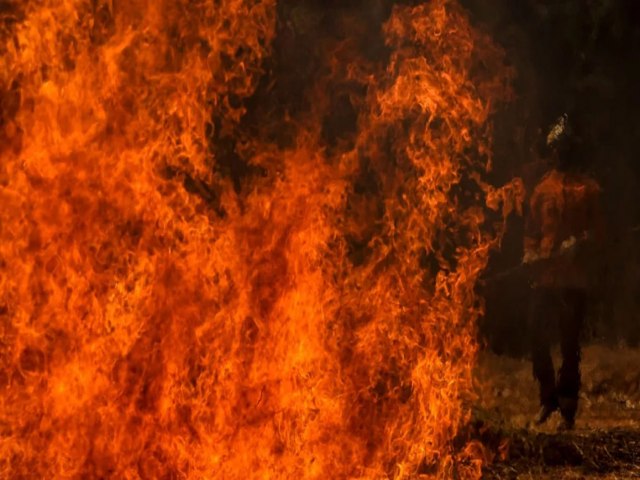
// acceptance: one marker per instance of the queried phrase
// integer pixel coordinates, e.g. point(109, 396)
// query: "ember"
point(164, 316)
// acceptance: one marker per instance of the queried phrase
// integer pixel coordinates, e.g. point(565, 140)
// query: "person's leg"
point(541, 313)
point(569, 376)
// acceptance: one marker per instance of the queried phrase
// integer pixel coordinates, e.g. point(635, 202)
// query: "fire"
point(160, 320)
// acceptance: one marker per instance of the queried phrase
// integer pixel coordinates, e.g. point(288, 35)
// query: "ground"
point(606, 441)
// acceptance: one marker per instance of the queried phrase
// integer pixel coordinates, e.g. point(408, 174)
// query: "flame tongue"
point(160, 321)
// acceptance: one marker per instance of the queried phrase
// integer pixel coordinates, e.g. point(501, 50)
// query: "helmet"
point(565, 149)
point(559, 131)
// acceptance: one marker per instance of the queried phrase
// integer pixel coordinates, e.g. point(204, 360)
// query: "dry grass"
point(606, 441)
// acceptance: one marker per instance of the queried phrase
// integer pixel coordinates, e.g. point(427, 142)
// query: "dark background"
point(581, 57)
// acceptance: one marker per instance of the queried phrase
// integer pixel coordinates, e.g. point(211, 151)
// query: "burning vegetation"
point(212, 267)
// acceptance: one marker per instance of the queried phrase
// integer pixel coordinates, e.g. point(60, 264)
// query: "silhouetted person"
point(562, 223)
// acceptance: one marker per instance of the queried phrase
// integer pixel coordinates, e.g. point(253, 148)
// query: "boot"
point(546, 411)
point(568, 408)
point(567, 424)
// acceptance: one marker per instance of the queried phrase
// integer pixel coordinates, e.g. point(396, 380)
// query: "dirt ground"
point(606, 441)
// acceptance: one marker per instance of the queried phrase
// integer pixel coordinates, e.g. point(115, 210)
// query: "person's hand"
point(530, 256)
point(569, 243)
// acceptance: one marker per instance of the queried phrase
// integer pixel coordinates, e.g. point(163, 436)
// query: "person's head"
point(560, 145)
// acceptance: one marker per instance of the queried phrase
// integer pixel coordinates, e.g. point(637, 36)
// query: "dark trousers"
point(550, 308)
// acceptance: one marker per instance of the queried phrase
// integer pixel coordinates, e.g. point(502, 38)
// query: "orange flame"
point(159, 323)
